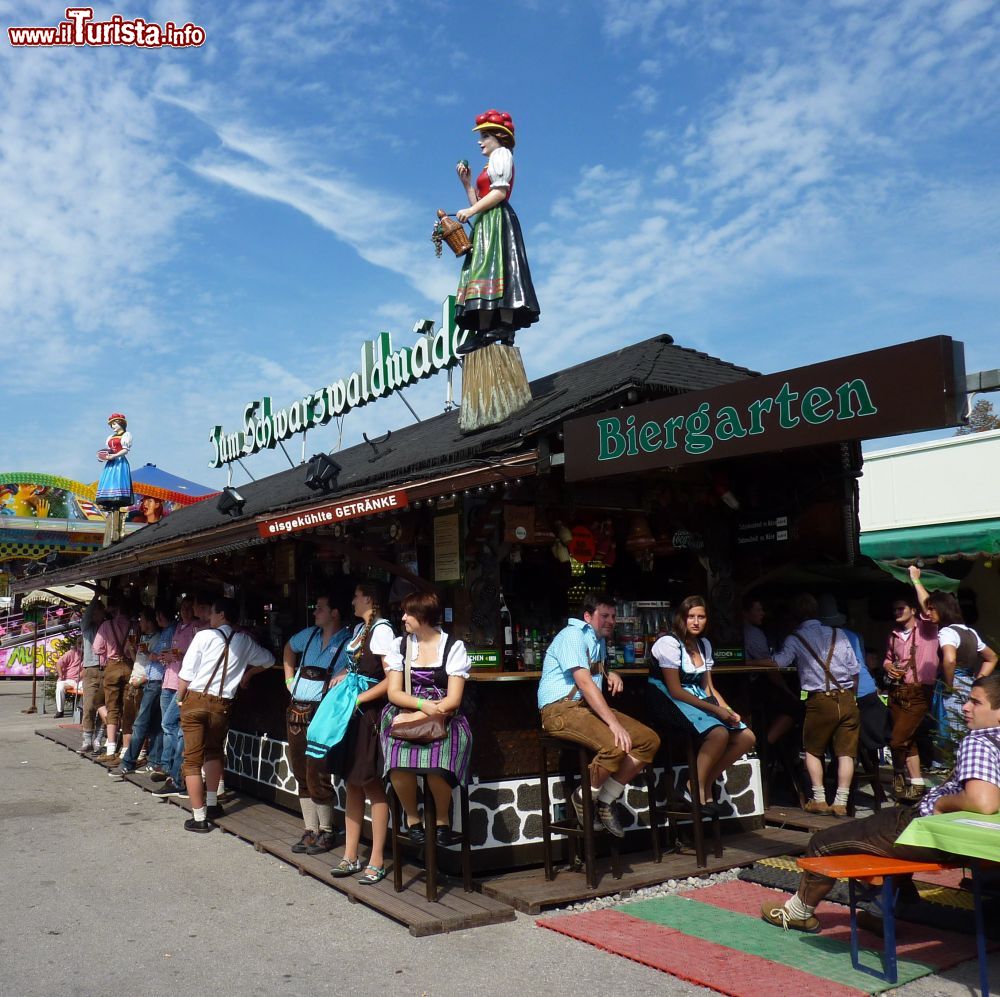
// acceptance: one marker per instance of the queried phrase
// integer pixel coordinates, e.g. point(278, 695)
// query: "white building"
point(935, 502)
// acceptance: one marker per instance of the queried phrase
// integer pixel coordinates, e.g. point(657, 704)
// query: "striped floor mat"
point(714, 937)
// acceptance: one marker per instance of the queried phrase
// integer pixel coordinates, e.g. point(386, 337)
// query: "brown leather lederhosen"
point(310, 774)
point(117, 672)
point(832, 715)
point(205, 718)
point(909, 702)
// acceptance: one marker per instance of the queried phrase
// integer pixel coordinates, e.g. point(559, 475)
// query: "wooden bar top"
point(738, 669)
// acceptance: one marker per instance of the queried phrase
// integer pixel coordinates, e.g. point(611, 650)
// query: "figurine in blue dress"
point(114, 489)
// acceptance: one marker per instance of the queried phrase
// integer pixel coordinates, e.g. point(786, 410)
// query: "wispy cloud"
point(263, 165)
point(825, 143)
point(91, 202)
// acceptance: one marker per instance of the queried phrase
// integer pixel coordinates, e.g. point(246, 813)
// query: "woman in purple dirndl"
point(438, 666)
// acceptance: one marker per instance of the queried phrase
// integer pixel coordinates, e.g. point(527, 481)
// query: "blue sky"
point(775, 183)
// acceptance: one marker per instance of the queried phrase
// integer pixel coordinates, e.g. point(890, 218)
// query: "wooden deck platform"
point(530, 893)
point(798, 819)
point(273, 830)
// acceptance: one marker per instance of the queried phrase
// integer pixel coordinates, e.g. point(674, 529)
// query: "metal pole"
point(409, 406)
point(34, 677)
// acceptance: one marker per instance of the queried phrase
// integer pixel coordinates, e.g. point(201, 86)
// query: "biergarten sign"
point(901, 389)
point(381, 372)
point(335, 512)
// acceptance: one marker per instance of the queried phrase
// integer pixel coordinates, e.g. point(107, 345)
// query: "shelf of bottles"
point(639, 625)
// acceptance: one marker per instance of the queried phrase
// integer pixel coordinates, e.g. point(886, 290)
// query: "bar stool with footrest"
point(674, 812)
point(401, 839)
point(574, 769)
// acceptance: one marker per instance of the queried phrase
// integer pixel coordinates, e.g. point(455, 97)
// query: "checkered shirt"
point(978, 758)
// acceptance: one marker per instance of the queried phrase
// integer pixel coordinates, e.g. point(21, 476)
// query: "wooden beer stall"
point(653, 473)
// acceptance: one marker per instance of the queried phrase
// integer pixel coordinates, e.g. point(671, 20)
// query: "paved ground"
point(103, 890)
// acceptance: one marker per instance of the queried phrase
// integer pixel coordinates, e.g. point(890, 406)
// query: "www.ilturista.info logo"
point(80, 28)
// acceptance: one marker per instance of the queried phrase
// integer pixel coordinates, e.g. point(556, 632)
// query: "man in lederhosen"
point(317, 652)
point(216, 663)
point(828, 674)
point(115, 646)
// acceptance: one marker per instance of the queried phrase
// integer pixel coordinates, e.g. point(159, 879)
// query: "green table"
point(964, 834)
point(967, 836)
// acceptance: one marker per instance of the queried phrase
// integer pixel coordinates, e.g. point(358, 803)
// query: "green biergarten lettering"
point(700, 430)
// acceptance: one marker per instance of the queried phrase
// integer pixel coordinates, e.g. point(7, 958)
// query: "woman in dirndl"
point(681, 695)
point(964, 658)
point(359, 761)
point(438, 667)
point(495, 295)
point(114, 488)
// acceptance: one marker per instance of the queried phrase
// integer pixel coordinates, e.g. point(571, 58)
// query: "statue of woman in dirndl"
point(495, 295)
point(114, 489)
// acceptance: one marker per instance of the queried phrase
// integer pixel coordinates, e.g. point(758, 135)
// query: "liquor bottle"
point(519, 648)
point(529, 653)
point(509, 654)
point(538, 648)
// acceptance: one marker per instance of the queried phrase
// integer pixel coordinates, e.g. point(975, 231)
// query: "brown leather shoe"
point(839, 810)
point(325, 841)
point(306, 841)
point(815, 807)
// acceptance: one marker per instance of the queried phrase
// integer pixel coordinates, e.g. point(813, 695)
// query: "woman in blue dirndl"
point(438, 666)
point(681, 695)
point(114, 488)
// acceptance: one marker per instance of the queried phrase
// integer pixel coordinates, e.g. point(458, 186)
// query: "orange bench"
point(875, 870)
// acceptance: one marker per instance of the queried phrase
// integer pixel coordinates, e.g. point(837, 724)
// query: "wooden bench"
point(875, 870)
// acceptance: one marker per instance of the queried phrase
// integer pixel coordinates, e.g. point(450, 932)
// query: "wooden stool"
point(578, 770)
point(430, 831)
point(674, 813)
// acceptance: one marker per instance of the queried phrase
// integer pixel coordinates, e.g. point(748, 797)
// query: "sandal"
point(346, 867)
point(373, 874)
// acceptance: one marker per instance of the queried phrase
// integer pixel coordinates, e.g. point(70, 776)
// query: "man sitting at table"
point(973, 786)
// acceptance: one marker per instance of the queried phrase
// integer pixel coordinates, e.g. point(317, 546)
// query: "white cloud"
point(645, 97)
point(812, 162)
point(91, 203)
point(264, 165)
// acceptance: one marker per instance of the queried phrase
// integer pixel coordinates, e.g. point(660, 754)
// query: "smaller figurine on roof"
point(114, 489)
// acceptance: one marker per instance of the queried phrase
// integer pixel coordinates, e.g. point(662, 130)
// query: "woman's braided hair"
point(372, 591)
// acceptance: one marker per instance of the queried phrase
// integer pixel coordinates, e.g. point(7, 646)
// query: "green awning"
point(943, 540)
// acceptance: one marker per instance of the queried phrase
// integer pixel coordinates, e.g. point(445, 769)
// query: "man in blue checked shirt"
point(973, 786)
point(573, 707)
point(311, 658)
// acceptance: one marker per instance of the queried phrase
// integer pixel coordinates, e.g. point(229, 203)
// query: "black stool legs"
point(674, 814)
point(431, 846)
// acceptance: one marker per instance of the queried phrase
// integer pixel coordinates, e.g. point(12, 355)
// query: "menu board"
point(447, 548)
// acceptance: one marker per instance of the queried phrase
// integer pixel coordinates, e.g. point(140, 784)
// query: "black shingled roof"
point(656, 366)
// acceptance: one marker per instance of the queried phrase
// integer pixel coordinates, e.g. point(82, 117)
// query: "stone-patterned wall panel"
point(507, 812)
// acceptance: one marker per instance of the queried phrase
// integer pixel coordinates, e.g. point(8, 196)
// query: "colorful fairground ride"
point(47, 521)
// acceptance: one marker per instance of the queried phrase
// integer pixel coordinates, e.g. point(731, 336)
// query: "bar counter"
point(504, 796)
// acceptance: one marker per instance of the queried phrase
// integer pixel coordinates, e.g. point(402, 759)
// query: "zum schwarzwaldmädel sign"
point(381, 372)
point(901, 389)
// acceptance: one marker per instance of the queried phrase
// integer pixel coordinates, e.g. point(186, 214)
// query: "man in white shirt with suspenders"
point(218, 661)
